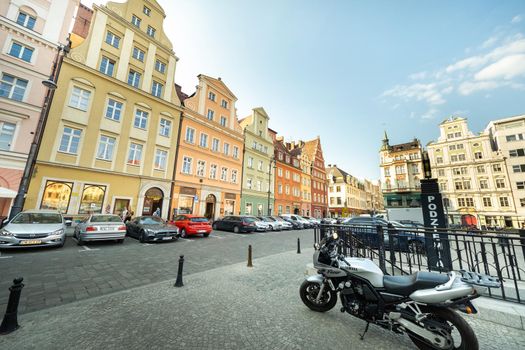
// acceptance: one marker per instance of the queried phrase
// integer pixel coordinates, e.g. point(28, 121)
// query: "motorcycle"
point(423, 305)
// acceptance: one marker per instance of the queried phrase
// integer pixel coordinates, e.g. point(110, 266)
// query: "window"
point(26, 20)
point(226, 148)
point(204, 140)
point(151, 31)
point(113, 110)
point(156, 89)
point(186, 165)
point(500, 183)
point(223, 120)
point(165, 127)
point(135, 154)
point(7, 132)
point(439, 160)
point(504, 201)
point(260, 166)
point(461, 202)
point(92, 199)
point(480, 169)
point(456, 171)
point(13, 87)
point(141, 119)
point(458, 185)
point(259, 185)
point(215, 145)
point(224, 174)
point(452, 147)
point(146, 10)
point(279, 188)
point(138, 54)
point(483, 184)
point(280, 172)
point(190, 135)
point(213, 171)
point(210, 114)
point(487, 202)
point(457, 134)
point(459, 146)
point(287, 189)
point(520, 152)
point(441, 172)
point(70, 140)
point(234, 176)
point(461, 157)
point(287, 174)
point(250, 162)
point(21, 51)
point(235, 152)
point(134, 78)
point(201, 168)
point(160, 66)
point(211, 96)
point(135, 21)
point(112, 39)
point(249, 183)
point(107, 66)
point(520, 168)
point(224, 104)
point(511, 138)
point(400, 169)
point(522, 202)
point(466, 184)
point(79, 98)
point(387, 171)
point(443, 186)
point(106, 147)
point(478, 155)
point(56, 195)
point(520, 185)
point(496, 168)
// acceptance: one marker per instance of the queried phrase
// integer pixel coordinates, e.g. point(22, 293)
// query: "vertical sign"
point(436, 243)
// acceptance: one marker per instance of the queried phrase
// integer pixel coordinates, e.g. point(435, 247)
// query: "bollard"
point(250, 256)
point(298, 246)
point(10, 321)
point(178, 282)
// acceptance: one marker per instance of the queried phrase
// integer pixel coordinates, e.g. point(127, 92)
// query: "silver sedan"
point(34, 228)
point(100, 227)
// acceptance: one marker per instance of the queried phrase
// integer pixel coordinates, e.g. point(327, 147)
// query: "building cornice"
point(9, 27)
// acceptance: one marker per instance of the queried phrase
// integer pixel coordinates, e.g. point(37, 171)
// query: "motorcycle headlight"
point(5, 233)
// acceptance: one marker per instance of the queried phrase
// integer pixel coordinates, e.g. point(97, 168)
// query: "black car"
point(151, 228)
point(235, 223)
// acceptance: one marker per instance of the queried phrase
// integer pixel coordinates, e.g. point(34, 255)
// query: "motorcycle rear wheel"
point(451, 318)
point(309, 291)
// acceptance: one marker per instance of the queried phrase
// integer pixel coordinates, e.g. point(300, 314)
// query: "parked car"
point(296, 225)
point(100, 227)
point(34, 228)
point(192, 225)
point(404, 238)
point(285, 225)
point(260, 225)
point(273, 225)
point(329, 221)
point(151, 228)
point(235, 223)
point(303, 221)
point(313, 221)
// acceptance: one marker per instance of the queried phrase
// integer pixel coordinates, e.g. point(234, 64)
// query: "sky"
point(348, 70)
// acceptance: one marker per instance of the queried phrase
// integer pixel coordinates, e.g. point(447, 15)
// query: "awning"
point(7, 193)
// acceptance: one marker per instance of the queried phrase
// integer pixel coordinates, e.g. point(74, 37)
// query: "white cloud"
point(489, 42)
point(420, 92)
point(469, 87)
point(506, 68)
point(517, 19)
point(418, 76)
point(430, 114)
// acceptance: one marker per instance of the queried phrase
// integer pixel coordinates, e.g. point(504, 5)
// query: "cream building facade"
point(111, 135)
point(473, 178)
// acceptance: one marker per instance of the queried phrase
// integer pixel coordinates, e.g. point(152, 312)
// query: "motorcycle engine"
point(359, 302)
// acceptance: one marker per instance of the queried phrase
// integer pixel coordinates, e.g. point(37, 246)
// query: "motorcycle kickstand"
point(366, 330)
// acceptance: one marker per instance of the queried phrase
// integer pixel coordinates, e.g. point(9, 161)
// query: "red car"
point(192, 225)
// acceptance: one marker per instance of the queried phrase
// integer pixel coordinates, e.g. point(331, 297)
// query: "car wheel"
point(214, 226)
point(183, 233)
point(205, 235)
point(142, 237)
point(236, 229)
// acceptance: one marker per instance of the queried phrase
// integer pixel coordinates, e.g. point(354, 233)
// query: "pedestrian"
point(157, 212)
point(129, 215)
point(124, 213)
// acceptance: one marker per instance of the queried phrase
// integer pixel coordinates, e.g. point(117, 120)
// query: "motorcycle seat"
point(405, 285)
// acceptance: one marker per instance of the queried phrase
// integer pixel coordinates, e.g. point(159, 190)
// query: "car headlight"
point(57, 232)
point(5, 233)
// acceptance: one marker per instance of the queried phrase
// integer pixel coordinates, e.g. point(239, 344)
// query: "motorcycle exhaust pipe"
point(433, 338)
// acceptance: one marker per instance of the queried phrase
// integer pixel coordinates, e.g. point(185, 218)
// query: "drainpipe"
point(242, 166)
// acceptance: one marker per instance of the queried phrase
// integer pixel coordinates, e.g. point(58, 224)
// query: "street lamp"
point(18, 203)
point(272, 161)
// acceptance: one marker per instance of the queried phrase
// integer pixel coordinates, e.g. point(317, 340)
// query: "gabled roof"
point(219, 82)
point(406, 146)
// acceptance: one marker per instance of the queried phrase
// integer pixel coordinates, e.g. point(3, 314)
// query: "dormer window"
point(26, 20)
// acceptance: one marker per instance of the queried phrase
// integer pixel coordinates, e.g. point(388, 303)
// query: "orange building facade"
point(208, 168)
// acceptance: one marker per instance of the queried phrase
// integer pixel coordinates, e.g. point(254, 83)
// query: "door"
point(152, 201)
point(209, 213)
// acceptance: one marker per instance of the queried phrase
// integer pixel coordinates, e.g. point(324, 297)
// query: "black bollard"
point(178, 282)
point(250, 256)
point(10, 321)
point(298, 246)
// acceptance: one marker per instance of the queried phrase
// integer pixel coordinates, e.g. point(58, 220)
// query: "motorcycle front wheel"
point(461, 335)
point(309, 292)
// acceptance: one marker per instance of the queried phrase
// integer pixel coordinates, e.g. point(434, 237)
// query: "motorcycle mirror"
point(335, 235)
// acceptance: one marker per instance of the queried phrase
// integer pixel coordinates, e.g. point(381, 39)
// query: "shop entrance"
point(210, 207)
point(153, 201)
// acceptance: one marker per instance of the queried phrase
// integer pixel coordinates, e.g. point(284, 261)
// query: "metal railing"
point(400, 251)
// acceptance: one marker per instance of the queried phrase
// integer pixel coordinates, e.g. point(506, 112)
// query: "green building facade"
point(257, 196)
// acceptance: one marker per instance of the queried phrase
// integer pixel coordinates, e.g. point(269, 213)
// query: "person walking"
point(157, 212)
point(124, 213)
point(128, 217)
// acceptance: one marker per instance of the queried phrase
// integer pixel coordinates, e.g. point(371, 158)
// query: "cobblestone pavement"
point(231, 307)
point(59, 276)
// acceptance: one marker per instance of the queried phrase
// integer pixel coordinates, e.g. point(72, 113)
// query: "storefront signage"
point(229, 195)
point(188, 190)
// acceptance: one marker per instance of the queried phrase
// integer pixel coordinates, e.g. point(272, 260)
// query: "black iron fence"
point(405, 251)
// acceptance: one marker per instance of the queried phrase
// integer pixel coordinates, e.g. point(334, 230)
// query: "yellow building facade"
point(111, 134)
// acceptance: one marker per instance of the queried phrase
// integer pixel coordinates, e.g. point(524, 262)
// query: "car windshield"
point(151, 221)
point(198, 220)
point(105, 218)
point(37, 218)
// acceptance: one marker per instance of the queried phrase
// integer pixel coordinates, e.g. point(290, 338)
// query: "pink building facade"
point(30, 32)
